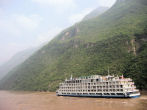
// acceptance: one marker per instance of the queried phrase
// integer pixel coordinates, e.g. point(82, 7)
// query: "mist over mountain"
point(17, 59)
point(114, 39)
point(95, 13)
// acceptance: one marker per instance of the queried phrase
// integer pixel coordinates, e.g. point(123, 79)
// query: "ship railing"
point(109, 84)
point(130, 87)
point(131, 83)
point(131, 91)
point(126, 79)
point(136, 90)
point(112, 92)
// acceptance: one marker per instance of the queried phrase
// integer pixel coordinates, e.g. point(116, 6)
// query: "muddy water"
point(49, 101)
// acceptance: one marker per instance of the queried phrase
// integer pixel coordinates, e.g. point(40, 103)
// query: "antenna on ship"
point(71, 77)
point(108, 70)
point(122, 76)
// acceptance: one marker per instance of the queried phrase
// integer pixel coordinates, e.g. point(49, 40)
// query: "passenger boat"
point(109, 86)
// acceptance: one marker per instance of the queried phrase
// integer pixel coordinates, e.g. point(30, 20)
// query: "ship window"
point(119, 93)
point(112, 93)
point(92, 93)
point(97, 79)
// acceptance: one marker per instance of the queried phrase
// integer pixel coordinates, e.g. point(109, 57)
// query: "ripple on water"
point(49, 101)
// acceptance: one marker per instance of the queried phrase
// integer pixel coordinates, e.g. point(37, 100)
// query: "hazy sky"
point(29, 23)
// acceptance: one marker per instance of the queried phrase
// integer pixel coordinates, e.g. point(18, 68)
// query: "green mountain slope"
point(17, 59)
point(116, 39)
point(98, 11)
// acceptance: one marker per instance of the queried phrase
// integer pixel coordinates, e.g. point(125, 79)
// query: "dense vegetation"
point(98, 11)
point(116, 39)
point(17, 59)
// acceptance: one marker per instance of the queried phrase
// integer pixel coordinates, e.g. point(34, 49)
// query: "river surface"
point(49, 101)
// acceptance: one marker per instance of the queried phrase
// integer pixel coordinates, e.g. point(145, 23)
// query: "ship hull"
point(134, 96)
point(102, 96)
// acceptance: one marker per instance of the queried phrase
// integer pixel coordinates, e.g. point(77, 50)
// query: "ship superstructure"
point(98, 86)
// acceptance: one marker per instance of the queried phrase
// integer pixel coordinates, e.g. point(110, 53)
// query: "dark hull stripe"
point(94, 96)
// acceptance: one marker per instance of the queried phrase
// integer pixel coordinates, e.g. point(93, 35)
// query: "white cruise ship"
point(99, 86)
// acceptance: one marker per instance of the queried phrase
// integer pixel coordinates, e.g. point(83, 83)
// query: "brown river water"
point(49, 101)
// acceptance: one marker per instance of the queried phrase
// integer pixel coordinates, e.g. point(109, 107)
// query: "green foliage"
point(136, 68)
point(116, 39)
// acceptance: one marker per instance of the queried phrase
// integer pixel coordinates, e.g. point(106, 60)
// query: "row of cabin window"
point(93, 94)
point(117, 86)
point(104, 90)
point(98, 83)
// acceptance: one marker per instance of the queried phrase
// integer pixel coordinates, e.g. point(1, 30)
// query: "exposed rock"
point(63, 38)
point(133, 46)
point(77, 30)
point(67, 34)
